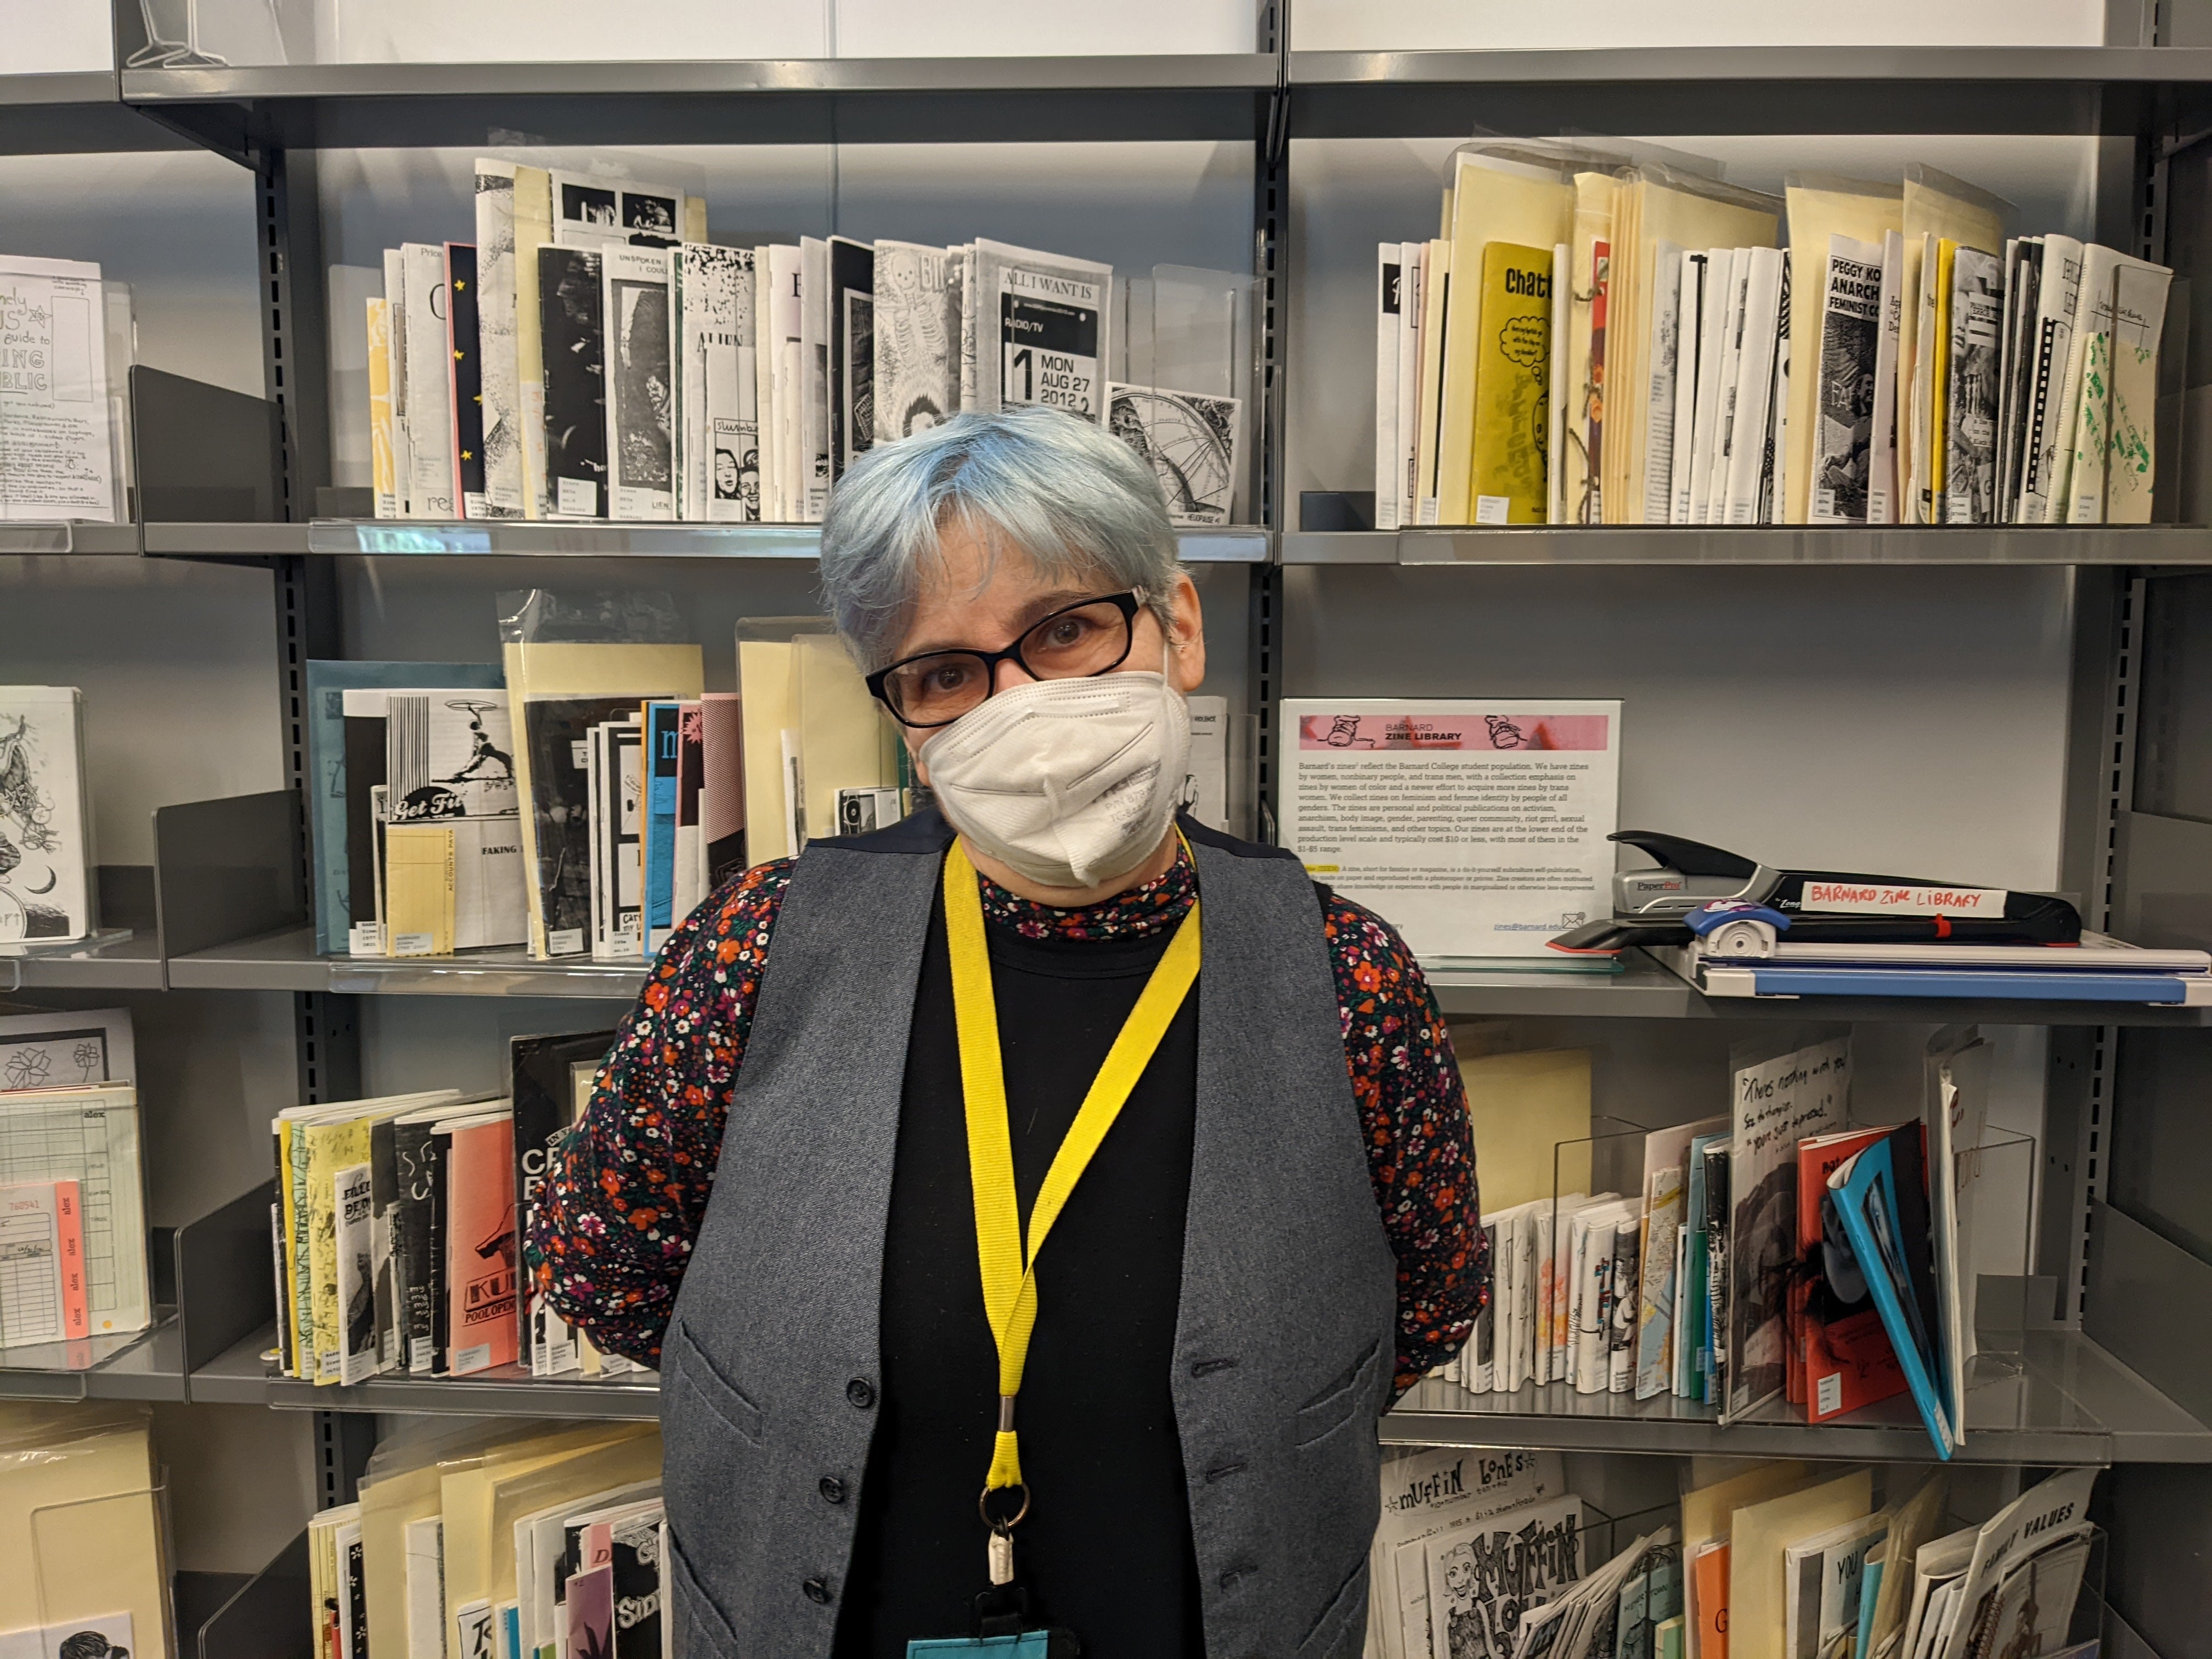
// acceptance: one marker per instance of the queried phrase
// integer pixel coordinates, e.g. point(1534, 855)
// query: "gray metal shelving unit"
point(2126, 1231)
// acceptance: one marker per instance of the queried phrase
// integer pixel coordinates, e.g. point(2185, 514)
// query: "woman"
point(805, 1177)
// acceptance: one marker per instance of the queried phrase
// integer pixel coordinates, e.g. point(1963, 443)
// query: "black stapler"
point(1649, 906)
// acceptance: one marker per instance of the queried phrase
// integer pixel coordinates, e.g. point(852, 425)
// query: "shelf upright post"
point(1270, 227)
point(295, 337)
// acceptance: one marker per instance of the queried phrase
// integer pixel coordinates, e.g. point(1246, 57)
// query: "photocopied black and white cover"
point(500, 370)
point(450, 761)
point(429, 388)
point(45, 887)
point(1042, 329)
point(571, 315)
point(718, 451)
point(917, 320)
point(2018, 1592)
point(1844, 397)
point(1432, 1494)
point(57, 449)
point(851, 338)
point(1483, 1578)
point(1191, 442)
point(1775, 1102)
point(598, 210)
point(640, 384)
point(1974, 373)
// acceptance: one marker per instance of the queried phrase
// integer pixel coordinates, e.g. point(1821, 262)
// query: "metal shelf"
point(540, 539)
point(131, 962)
point(1793, 544)
point(240, 1377)
point(1744, 90)
point(146, 1365)
point(1163, 96)
point(76, 113)
point(287, 961)
point(1645, 989)
point(2071, 1403)
point(117, 539)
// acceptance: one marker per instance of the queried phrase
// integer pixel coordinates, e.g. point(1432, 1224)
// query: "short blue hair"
point(1071, 497)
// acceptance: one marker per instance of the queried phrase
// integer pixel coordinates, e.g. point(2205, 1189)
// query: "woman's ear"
point(1186, 634)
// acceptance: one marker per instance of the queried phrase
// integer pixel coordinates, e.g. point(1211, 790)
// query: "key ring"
point(1002, 1528)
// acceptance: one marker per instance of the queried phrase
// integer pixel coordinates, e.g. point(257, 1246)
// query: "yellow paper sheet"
point(406, 1494)
point(418, 890)
point(466, 1499)
point(844, 741)
point(80, 1531)
point(1819, 209)
point(1521, 1107)
point(1759, 1537)
point(1492, 201)
point(583, 1474)
point(764, 686)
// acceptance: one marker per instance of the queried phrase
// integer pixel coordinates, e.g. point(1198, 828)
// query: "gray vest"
point(1285, 1333)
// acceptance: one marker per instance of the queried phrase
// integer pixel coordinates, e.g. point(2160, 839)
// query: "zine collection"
point(1776, 1259)
point(591, 355)
point(1589, 341)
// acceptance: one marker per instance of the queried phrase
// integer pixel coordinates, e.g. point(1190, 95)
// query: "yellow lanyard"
point(1009, 1269)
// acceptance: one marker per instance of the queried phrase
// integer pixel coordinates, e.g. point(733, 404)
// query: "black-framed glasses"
point(938, 687)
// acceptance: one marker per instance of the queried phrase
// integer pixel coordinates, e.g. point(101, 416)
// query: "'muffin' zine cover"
point(1477, 828)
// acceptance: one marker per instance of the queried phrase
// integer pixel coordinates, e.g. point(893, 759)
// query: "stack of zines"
point(82, 1529)
point(1482, 1553)
point(591, 356)
point(1589, 343)
point(72, 1184)
point(1478, 1551)
point(1744, 1270)
point(397, 1225)
point(489, 1539)
point(584, 797)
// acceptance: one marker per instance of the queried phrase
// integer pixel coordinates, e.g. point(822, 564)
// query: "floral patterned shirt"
point(624, 1199)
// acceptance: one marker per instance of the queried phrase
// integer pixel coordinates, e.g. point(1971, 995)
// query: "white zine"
point(45, 892)
point(1477, 828)
point(55, 458)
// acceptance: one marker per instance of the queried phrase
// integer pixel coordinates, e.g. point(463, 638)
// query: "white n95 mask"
point(1067, 782)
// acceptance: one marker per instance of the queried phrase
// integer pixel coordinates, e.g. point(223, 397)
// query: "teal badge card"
point(1031, 1645)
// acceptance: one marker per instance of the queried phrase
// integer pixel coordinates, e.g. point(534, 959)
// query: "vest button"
point(860, 1392)
point(818, 1591)
point(832, 1489)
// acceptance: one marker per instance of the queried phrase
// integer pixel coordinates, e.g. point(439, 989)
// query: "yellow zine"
point(1512, 385)
point(1492, 201)
point(331, 1147)
point(1939, 372)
